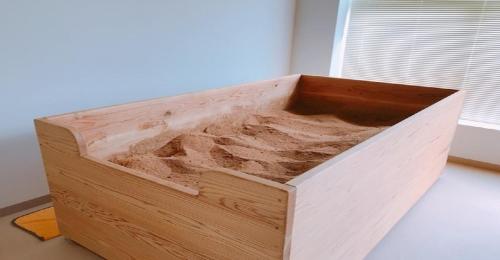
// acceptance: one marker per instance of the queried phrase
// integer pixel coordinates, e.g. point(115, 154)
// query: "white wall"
point(477, 141)
point(60, 56)
point(313, 36)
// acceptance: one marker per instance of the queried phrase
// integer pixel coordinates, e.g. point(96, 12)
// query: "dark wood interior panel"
point(363, 102)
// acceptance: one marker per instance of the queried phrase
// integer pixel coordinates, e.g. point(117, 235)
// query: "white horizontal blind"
point(430, 43)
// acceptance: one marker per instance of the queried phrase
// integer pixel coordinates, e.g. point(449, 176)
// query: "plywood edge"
point(206, 177)
point(290, 213)
point(214, 183)
point(269, 202)
point(256, 179)
point(147, 177)
point(458, 96)
point(64, 137)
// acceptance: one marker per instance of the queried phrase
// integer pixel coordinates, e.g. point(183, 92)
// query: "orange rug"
point(41, 223)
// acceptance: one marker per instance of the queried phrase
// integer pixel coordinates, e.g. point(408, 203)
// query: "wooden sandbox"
point(300, 167)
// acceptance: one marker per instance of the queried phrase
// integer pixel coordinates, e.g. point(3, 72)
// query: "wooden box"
point(339, 209)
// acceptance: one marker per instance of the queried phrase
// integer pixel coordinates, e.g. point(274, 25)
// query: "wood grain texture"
point(337, 210)
point(363, 102)
point(354, 199)
point(231, 217)
point(113, 129)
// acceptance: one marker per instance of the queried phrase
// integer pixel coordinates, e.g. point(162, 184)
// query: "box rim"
point(352, 150)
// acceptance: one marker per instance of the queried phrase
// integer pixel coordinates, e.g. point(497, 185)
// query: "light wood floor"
point(459, 218)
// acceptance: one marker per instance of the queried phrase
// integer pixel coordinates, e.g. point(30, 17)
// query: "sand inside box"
point(276, 145)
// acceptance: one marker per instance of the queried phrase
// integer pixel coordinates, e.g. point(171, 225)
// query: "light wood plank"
point(355, 198)
point(337, 210)
point(113, 129)
point(216, 224)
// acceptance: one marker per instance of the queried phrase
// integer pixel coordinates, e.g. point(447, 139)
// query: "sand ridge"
point(276, 145)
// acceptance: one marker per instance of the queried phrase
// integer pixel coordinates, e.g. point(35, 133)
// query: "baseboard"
point(474, 163)
point(25, 205)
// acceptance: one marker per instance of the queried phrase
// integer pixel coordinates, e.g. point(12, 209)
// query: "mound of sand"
point(276, 145)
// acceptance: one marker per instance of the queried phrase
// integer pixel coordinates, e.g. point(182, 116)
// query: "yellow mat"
point(41, 223)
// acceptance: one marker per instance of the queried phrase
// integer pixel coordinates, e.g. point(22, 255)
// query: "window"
point(445, 43)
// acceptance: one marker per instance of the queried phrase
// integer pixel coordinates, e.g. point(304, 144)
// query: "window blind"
point(430, 43)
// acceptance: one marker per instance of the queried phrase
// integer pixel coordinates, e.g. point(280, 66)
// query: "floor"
point(458, 218)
